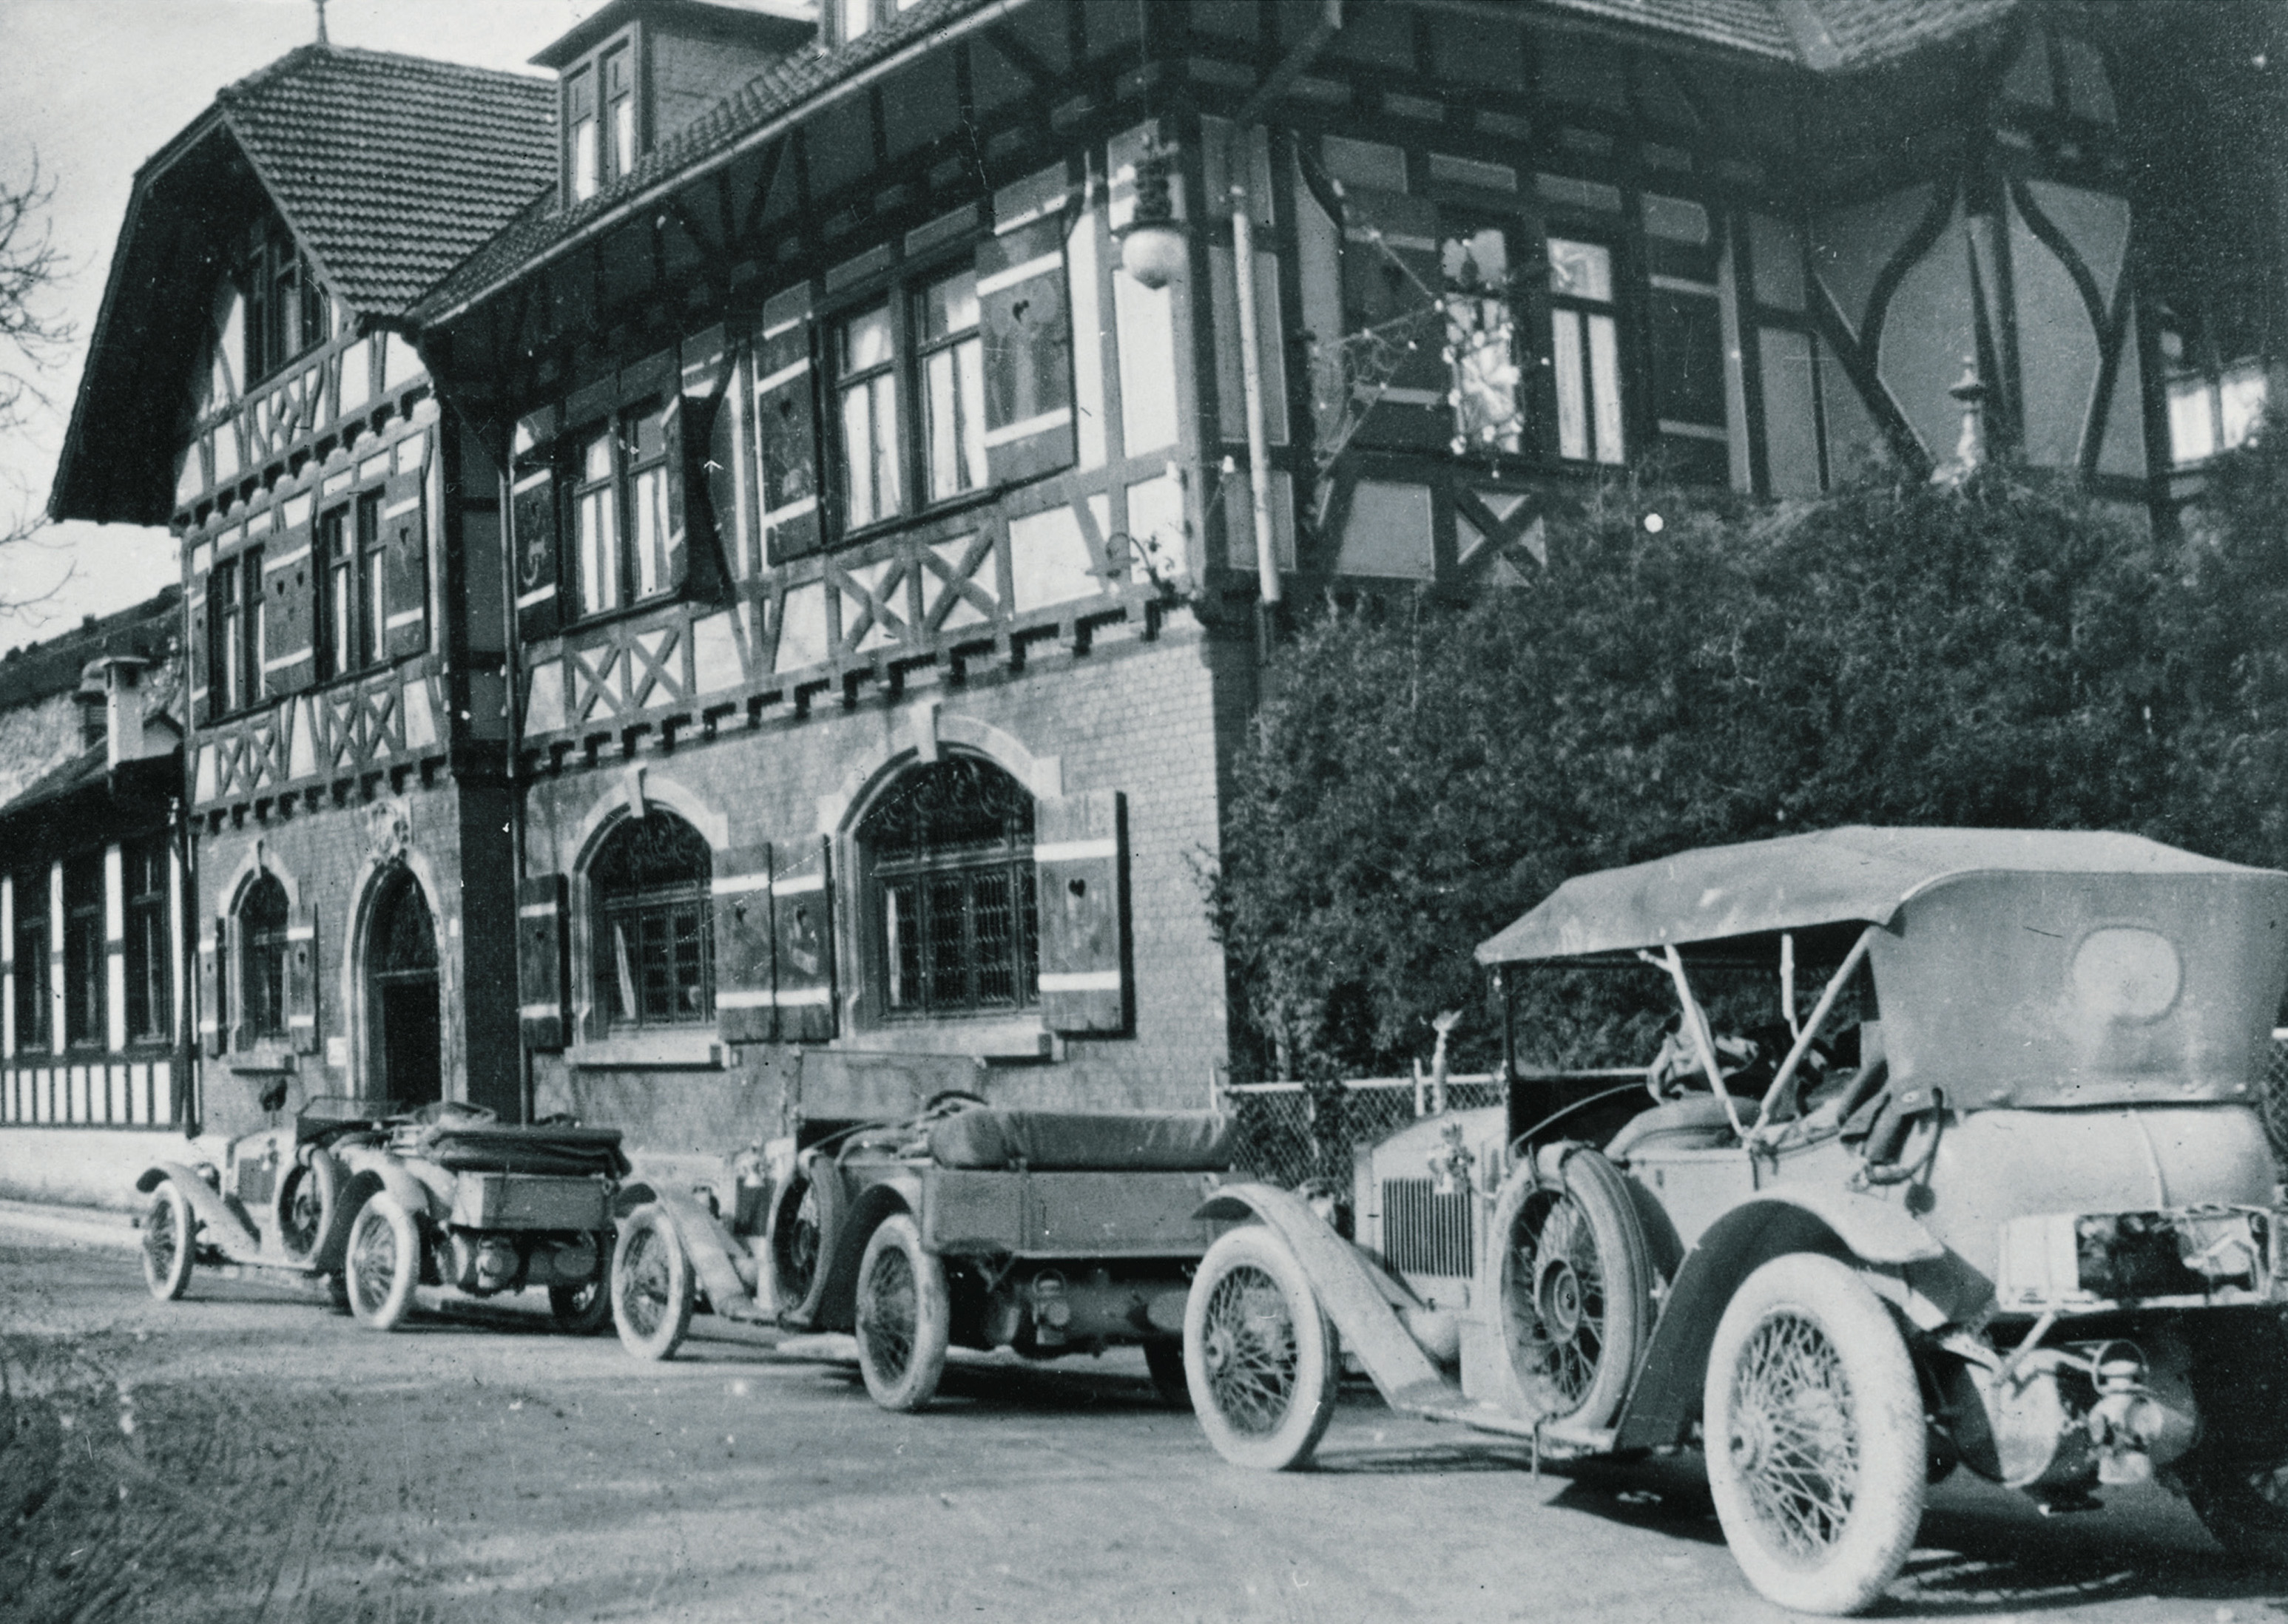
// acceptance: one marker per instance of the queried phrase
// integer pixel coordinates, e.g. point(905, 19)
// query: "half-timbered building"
point(92, 1005)
point(724, 581)
point(888, 446)
point(343, 773)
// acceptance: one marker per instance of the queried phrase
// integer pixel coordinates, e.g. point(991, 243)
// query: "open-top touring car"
point(378, 1202)
point(1047, 1233)
point(2003, 1198)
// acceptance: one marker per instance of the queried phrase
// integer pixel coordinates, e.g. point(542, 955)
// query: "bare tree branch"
point(33, 340)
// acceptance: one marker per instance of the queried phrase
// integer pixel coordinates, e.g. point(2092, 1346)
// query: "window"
point(866, 387)
point(619, 512)
point(32, 992)
point(338, 622)
point(2214, 405)
point(287, 311)
point(83, 952)
point(601, 142)
point(953, 381)
point(619, 109)
point(262, 959)
point(373, 572)
point(253, 616)
point(150, 987)
point(581, 133)
point(949, 850)
point(223, 610)
point(1585, 350)
point(857, 17)
point(1481, 340)
point(652, 949)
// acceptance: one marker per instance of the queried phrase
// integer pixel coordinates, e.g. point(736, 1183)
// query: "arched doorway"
point(404, 1029)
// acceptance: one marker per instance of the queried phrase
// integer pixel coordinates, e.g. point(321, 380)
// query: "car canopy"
point(2014, 967)
point(1719, 897)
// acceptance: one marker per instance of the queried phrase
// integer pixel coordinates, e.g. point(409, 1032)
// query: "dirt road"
point(248, 1455)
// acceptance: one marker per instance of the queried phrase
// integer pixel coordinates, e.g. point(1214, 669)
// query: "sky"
point(92, 87)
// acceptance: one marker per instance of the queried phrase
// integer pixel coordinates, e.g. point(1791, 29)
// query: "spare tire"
point(1575, 1288)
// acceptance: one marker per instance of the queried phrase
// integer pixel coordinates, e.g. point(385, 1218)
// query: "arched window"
point(262, 959)
point(653, 948)
point(950, 857)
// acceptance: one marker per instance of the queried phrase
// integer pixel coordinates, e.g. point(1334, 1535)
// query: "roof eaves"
point(662, 174)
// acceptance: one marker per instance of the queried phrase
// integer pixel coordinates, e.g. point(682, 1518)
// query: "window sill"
point(695, 1050)
point(1016, 1040)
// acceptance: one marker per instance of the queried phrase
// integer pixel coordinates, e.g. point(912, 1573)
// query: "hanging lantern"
point(1152, 246)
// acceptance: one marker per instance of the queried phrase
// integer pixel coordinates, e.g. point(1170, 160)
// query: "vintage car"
point(2003, 1198)
point(1047, 1233)
point(377, 1203)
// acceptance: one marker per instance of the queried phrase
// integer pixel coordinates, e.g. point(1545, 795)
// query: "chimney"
point(116, 682)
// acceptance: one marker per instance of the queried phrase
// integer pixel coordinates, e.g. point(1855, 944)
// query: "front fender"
point(225, 1228)
point(1892, 1251)
point(712, 1252)
point(852, 1220)
point(1368, 1306)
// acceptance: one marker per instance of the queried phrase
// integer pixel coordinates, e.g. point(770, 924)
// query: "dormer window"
point(856, 16)
point(602, 127)
point(286, 310)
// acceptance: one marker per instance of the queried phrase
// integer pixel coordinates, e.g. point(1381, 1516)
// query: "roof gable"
point(387, 170)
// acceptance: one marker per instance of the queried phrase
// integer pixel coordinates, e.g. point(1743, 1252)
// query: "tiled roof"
point(392, 169)
point(35, 671)
point(1825, 36)
point(778, 89)
point(1864, 33)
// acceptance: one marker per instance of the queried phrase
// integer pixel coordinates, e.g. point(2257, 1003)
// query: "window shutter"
point(302, 979)
point(532, 513)
point(289, 589)
point(227, 1034)
point(786, 433)
point(802, 929)
point(198, 671)
point(744, 1003)
point(1027, 328)
point(1390, 278)
point(702, 490)
point(543, 964)
point(405, 536)
point(210, 989)
point(1080, 861)
point(679, 493)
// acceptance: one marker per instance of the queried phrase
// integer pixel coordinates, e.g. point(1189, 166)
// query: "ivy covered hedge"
point(1691, 668)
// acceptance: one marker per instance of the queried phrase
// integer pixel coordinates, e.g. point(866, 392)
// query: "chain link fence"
point(1294, 1132)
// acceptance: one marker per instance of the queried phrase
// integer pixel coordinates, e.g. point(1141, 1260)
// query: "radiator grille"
point(1424, 1232)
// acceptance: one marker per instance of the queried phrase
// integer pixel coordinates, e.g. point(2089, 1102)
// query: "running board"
point(1552, 1440)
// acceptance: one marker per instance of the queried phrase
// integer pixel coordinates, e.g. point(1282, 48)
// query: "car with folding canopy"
point(2001, 1198)
point(376, 1201)
point(1046, 1233)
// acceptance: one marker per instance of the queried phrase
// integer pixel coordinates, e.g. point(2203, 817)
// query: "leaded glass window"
point(950, 855)
point(652, 951)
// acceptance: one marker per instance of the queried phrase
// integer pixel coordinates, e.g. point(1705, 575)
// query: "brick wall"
point(1148, 719)
point(329, 859)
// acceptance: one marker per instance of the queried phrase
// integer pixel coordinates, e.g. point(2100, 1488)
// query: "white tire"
point(1259, 1355)
point(1818, 1454)
point(169, 1241)
point(652, 1289)
point(905, 1316)
point(384, 1265)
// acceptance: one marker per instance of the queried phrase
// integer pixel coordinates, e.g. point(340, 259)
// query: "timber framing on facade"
point(774, 529)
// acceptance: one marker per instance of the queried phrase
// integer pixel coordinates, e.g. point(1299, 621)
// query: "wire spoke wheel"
point(886, 1326)
point(168, 1241)
point(1818, 1448)
point(373, 1256)
point(649, 1278)
point(904, 1316)
point(652, 1293)
point(384, 1263)
point(1249, 1350)
point(1259, 1358)
point(1793, 1438)
point(1575, 1288)
point(797, 1243)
